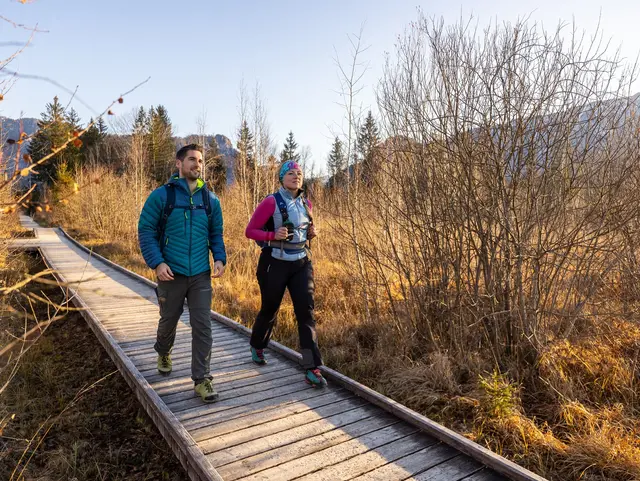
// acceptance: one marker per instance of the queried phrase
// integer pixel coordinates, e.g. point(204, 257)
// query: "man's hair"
point(182, 153)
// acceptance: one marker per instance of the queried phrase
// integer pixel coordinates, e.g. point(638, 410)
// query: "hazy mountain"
point(225, 147)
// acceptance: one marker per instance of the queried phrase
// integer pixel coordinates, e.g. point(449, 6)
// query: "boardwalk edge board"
point(447, 436)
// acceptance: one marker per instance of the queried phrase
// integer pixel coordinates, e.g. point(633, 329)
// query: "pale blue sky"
point(197, 53)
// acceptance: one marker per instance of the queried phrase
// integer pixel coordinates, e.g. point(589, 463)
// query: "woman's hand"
point(281, 233)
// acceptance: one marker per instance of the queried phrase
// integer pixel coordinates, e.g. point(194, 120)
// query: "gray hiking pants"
point(171, 295)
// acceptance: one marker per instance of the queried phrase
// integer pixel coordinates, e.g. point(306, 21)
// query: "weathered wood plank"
point(279, 378)
point(203, 419)
point(183, 361)
point(235, 401)
point(406, 467)
point(363, 463)
point(239, 363)
point(485, 474)
point(185, 348)
point(134, 347)
point(295, 451)
point(285, 437)
point(243, 433)
point(143, 340)
point(182, 351)
point(166, 383)
point(245, 426)
point(454, 469)
point(317, 452)
point(171, 386)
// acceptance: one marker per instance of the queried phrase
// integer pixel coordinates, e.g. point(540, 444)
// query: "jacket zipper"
point(190, 230)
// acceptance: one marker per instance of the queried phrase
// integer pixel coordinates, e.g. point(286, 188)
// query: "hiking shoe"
point(314, 377)
point(164, 364)
point(205, 390)
point(257, 355)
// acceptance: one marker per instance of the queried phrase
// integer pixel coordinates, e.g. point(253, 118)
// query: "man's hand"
point(163, 271)
point(218, 269)
point(281, 233)
point(311, 233)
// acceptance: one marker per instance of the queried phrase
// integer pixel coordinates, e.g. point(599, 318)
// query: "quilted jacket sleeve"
point(147, 230)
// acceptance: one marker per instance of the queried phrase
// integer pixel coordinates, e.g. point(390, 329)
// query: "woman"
point(282, 224)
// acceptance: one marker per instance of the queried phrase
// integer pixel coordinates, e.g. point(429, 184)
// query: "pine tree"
point(368, 146)
point(92, 136)
point(216, 167)
point(245, 163)
point(160, 144)
point(289, 151)
point(141, 123)
point(336, 164)
point(53, 131)
point(102, 128)
point(92, 141)
point(73, 119)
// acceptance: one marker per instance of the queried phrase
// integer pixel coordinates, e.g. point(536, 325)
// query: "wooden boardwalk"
point(268, 423)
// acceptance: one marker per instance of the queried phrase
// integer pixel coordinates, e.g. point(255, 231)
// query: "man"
point(180, 222)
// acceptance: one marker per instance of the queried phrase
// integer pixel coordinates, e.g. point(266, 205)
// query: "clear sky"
point(198, 53)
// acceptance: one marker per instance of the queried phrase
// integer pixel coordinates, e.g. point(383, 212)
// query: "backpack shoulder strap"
point(206, 201)
point(169, 205)
point(282, 206)
point(270, 226)
point(306, 208)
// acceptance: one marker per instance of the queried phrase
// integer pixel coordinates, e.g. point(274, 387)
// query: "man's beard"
point(191, 174)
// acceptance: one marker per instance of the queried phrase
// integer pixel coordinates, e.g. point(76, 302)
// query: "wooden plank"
point(243, 433)
point(404, 468)
point(223, 377)
point(278, 377)
point(183, 350)
point(209, 419)
point(185, 347)
point(217, 344)
point(113, 265)
point(484, 474)
point(129, 346)
point(172, 382)
point(151, 338)
point(183, 361)
point(142, 331)
point(284, 437)
point(185, 402)
point(110, 322)
point(454, 469)
point(363, 463)
point(183, 371)
point(182, 337)
point(236, 401)
point(276, 456)
point(317, 452)
point(182, 364)
point(243, 426)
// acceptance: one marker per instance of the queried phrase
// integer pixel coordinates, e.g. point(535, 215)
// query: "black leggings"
point(274, 276)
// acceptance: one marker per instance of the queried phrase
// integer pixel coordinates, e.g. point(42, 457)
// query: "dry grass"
point(66, 415)
point(48, 430)
point(572, 415)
